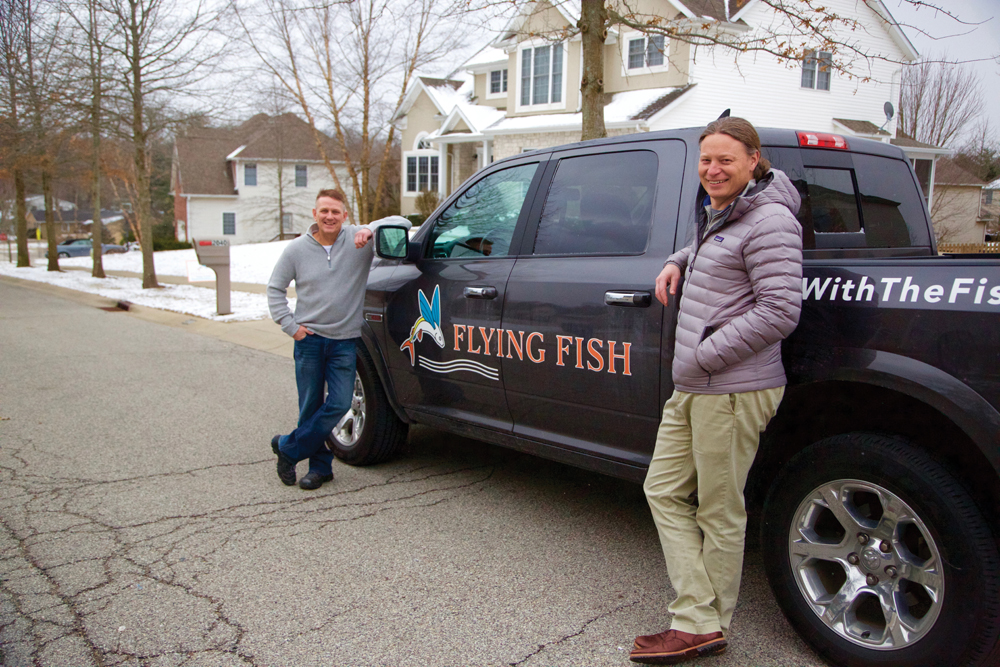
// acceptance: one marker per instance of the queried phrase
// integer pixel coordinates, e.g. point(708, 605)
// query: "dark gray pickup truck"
point(521, 314)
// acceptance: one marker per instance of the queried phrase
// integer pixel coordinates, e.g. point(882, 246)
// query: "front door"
point(444, 316)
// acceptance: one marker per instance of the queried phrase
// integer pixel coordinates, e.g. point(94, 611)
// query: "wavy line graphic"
point(460, 365)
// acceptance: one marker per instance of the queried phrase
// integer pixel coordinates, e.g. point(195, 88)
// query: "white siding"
point(768, 92)
point(256, 207)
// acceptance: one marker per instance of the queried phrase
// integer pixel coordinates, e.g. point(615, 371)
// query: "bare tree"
point(980, 155)
point(938, 100)
point(41, 78)
point(87, 46)
point(13, 43)
point(160, 50)
point(348, 64)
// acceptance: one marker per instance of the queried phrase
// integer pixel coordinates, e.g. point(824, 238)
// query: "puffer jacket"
point(742, 293)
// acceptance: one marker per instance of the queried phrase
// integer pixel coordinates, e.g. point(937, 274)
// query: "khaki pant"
point(704, 449)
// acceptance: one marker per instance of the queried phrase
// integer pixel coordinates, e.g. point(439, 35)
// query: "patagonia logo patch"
point(719, 239)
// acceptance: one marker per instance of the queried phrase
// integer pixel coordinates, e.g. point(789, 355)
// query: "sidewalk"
point(263, 335)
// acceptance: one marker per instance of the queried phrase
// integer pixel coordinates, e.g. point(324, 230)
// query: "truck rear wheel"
point(370, 432)
point(878, 556)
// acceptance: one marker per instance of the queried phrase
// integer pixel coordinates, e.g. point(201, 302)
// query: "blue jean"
point(320, 361)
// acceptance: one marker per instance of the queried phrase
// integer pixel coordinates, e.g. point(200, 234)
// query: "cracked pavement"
point(142, 523)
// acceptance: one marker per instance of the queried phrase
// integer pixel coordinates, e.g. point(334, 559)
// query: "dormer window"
point(542, 72)
point(817, 67)
point(497, 84)
point(646, 54)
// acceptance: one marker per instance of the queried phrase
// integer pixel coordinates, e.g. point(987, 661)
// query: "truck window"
point(877, 204)
point(598, 204)
point(481, 222)
point(891, 203)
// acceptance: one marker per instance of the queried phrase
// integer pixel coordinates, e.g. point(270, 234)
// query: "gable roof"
point(204, 155)
point(861, 127)
point(948, 172)
point(442, 92)
point(625, 109)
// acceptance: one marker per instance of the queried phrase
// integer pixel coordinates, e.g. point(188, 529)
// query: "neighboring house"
point(991, 209)
point(251, 183)
point(74, 223)
point(523, 91)
point(957, 208)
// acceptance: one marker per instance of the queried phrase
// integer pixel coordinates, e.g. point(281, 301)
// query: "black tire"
point(371, 432)
point(945, 585)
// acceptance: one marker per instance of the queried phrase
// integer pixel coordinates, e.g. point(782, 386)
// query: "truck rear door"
point(581, 329)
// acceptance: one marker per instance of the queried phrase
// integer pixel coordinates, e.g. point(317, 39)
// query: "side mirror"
point(391, 241)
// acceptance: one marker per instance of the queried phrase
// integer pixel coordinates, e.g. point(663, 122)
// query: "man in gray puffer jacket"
point(742, 297)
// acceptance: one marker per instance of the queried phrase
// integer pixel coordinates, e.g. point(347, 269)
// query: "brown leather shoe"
point(673, 646)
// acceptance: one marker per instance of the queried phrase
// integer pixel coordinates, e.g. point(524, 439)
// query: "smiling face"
point(329, 215)
point(725, 168)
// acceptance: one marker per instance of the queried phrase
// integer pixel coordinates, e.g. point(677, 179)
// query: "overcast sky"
point(955, 41)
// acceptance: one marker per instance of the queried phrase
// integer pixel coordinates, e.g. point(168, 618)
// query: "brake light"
point(822, 140)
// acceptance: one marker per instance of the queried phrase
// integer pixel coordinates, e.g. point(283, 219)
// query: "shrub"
point(170, 244)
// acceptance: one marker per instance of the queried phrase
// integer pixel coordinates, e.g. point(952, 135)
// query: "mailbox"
point(214, 253)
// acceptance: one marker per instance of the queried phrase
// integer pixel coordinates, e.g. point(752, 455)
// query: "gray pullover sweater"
point(330, 290)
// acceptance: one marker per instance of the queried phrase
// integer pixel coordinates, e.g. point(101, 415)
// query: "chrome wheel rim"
point(348, 430)
point(866, 564)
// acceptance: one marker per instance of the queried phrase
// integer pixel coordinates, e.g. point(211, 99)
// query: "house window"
point(816, 69)
point(989, 197)
point(498, 83)
point(421, 173)
point(301, 176)
point(646, 53)
point(228, 223)
point(250, 174)
point(542, 75)
point(286, 222)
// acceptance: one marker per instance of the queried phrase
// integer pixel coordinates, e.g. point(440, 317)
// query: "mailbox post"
point(214, 253)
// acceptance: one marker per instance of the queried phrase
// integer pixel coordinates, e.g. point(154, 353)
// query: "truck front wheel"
point(878, 556)
point(370, 432)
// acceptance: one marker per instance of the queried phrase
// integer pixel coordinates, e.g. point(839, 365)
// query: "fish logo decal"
point(429, 322)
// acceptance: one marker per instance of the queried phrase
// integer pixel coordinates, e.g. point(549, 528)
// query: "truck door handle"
point(628, 299)
point(480, 292)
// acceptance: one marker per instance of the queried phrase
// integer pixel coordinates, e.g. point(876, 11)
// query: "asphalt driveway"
point(141, 522)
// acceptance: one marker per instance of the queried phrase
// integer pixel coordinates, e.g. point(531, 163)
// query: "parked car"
point(521, 314)
point(83, 248)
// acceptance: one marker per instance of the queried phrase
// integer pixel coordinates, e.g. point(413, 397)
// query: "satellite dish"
point(889, 111)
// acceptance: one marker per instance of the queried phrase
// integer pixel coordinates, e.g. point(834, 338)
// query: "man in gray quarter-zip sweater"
point(329, 265)
point(742, 296)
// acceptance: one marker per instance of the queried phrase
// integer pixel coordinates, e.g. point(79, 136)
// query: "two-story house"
point(523, 91)
point(253, 183)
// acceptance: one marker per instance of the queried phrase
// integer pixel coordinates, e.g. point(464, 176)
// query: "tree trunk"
point(21, 220)
point(140, 142)
point(143, 207)
point(97, 228)
point(50, 221)
point(594, 29)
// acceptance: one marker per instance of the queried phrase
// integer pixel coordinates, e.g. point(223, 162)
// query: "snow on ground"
point(250, 263)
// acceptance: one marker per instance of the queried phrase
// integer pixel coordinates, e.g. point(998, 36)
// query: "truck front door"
point(444, 314)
